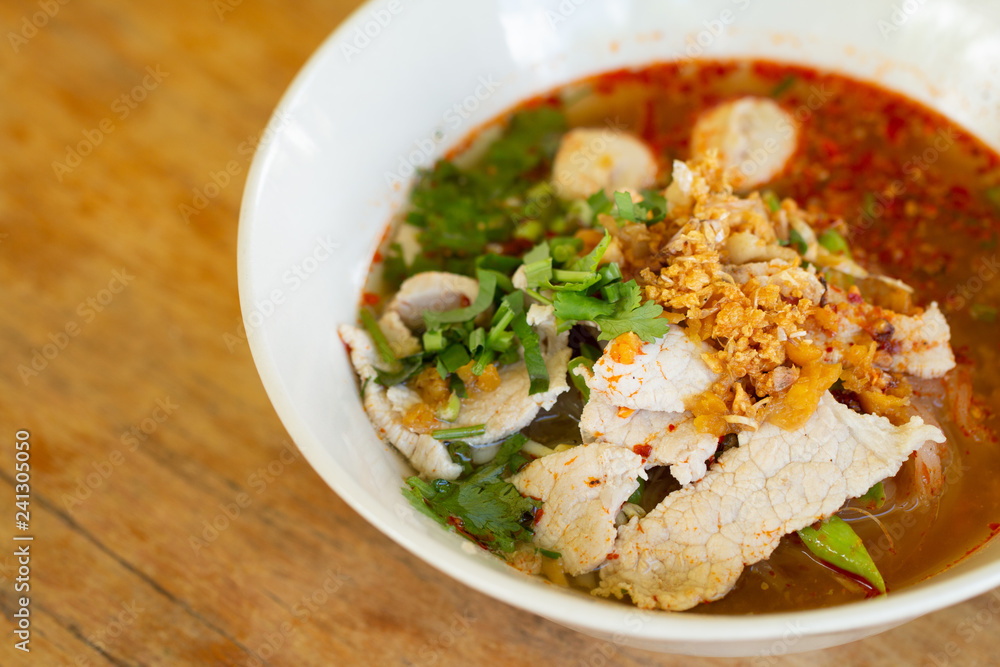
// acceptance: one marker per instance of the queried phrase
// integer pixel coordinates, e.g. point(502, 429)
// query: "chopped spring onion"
point(834, 242)
point(796, 241)
point(448, 412)
point(459, 432)
point(538, 373)
point(381, 344)
point(433, 341)
point(772, 201)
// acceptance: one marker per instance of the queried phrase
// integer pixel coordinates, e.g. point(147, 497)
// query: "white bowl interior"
point(359, 115)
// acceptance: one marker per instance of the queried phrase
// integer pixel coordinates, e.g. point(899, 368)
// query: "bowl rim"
point(572, 609)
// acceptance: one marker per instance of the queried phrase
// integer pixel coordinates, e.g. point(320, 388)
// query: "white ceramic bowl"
point(395, 86)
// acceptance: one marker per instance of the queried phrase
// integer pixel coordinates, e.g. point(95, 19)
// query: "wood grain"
point(148, 422)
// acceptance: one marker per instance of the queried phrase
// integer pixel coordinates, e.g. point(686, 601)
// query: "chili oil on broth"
point(913, 189)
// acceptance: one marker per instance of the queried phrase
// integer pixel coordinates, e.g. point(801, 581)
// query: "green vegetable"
point(459, 211)
point(484, 299)
point(796, 241)
point(834, 242)
point(461, 453)
point(452, 358)
point(504, 264)
point(644, 320)
point(480, 504)
point(875, 496)
point(573, 306)
point(621, 313)
point(459, 432)
point(408, 367)
point(456, 385)
point(579, 382)
point(378, 338)
point(508, 448)
point(564, 248)
point(783, 86)
point(600, 203)
point(983, 313)
point(433, 341)
point(448, 412)
point(868, 205)
point(538, 373)
point(488, 510)
point(626, 209)
point(993, 196)
point(636, 496)
point(477, 339)
point(652, 208)
point(835, 542)
point(772, 201)
point(549, 554)
point(532, 230)
point(590, 261)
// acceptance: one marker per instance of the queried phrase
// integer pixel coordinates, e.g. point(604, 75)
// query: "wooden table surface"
point(173, 521)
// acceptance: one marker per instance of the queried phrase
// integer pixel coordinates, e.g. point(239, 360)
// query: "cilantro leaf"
point(590, 261)
point(644, 321)
point(487, 510)
point(626, 208)
point(571, 306)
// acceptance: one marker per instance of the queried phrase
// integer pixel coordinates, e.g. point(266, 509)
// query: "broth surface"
point(921, 200)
